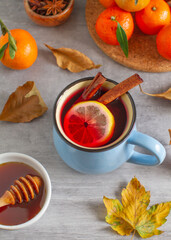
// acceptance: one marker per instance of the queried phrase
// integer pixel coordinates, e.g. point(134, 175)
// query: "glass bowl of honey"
point(25, 190)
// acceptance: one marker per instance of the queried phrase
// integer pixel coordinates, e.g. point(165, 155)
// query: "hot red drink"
point(116, 108)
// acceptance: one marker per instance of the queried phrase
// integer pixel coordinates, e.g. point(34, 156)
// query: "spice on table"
point(120, 89)
point(48, 7)
point(97, 82)
point(117, 91)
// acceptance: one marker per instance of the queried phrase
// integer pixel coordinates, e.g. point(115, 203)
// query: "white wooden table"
point(76, 209)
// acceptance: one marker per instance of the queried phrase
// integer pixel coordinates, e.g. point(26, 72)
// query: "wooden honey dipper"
point(24, 189)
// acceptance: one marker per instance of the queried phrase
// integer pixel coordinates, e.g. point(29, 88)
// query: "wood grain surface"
point(143, 53)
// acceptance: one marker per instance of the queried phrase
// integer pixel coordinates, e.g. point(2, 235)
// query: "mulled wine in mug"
point(92, 137)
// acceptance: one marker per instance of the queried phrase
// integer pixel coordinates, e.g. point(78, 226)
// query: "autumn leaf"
point(166, 95)
point(71, 59)
point(170, 135)
point(132, 214)
point(24, 104)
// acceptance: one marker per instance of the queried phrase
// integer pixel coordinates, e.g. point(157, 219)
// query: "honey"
point(20, 212)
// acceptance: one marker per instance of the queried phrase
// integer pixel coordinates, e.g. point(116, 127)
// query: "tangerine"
point(163, 42)
point(169, 3)
point(131, 5)
point(151, 19)
point(89, 123)
point(106, 24)
point(107, 3)
point(26, 53)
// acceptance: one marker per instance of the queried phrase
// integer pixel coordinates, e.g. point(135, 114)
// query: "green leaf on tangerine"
point(2, 50)
point(122, 38)
point(12, 41)
point(136, 1)
point(4, 29)
point(11, 51)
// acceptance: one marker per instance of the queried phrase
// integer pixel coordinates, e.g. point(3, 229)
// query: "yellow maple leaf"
point(132, 215)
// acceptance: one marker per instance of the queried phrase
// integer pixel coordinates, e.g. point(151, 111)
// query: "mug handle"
point(150, 144)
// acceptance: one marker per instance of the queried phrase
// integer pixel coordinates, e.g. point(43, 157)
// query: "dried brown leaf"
point(170, 135)
point(24, 104)
point(71, 59)
point(166, 95)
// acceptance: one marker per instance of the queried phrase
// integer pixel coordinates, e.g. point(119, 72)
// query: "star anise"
point(55, 6)
point(36, 5)
point(48, 7)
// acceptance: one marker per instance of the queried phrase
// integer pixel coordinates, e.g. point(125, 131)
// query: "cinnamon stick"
point(96, 83)
point(120, 89)
point(170, 135)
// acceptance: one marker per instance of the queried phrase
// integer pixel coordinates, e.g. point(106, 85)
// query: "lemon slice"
point(89, 124)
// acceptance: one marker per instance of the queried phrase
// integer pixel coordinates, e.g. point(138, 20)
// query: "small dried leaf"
point(24, 104)
point(132, 214)
point(166, 95)
point(170, 135)
point(71, 59)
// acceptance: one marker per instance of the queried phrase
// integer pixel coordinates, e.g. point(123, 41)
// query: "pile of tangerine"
point(153, 17)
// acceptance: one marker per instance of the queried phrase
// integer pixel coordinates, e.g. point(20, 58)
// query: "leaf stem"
point(113, 18)
point(11, 42)
point(133, 234)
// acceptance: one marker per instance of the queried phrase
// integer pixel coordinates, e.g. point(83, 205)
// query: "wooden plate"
point(143, 53)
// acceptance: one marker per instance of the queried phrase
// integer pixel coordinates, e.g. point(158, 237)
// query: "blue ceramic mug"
point(109, 157)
